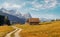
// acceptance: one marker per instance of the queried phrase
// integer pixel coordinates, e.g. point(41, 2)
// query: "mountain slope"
point(13, 18)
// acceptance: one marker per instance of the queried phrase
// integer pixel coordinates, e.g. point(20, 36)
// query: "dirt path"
point(16, 32)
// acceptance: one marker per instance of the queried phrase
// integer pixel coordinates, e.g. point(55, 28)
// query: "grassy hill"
point(46, 29)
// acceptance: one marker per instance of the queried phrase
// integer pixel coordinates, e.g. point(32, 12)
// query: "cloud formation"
point(25, 6)
point(36, 4)
point(46, 4)
point(7, 5)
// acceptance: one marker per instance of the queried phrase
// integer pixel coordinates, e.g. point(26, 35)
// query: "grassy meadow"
point(45, 29)
point(4, 30)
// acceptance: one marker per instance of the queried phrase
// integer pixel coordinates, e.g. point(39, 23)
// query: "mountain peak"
point(27, 15)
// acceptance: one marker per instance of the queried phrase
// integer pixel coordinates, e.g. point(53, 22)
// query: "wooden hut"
point(33, 21)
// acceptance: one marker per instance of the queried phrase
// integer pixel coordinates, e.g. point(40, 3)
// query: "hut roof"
point(33, 19)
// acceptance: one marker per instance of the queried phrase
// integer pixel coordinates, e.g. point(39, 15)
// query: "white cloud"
point(46, 1)
point(36, 5)
point(51, 3)
point(6, 5)
point(47, 5)
point(0, 7)
point(10, 5)
point(16, 6)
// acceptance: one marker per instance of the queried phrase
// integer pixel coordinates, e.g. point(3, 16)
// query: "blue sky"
point(49, 9)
